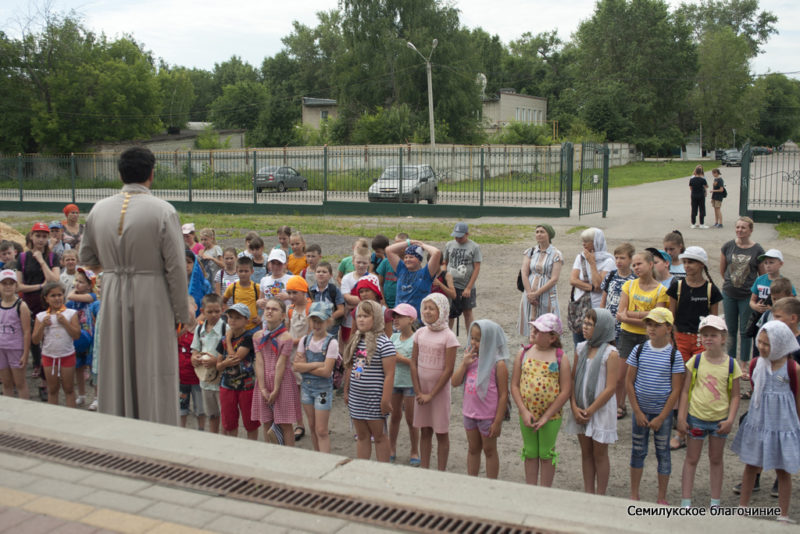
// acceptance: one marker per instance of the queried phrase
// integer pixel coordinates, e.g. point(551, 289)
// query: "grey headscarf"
point(494, 347)
point(600, 251)
point(782, 342)
point(603, 333)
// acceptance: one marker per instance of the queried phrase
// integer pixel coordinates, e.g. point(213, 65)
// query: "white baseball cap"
point(8, 274)
point(771, 253)
point(277, 254)
point(696, 254)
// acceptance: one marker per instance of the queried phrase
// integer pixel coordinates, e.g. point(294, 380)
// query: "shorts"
point(320, 395)
point(211, 402)
point(541, 443)
point(688, 345)
point(187, 392)
point(483, 425)
point(716, 203)
point(459, 304)
point(64, 361)
point(83, 359)
point(10, 358)
point(231, 402)
point(699, 429)
point(406, 392)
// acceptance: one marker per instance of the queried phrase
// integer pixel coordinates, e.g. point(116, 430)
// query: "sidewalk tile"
point(174, 528)
point(120, 522)
point(10, 497)
point(17, 479)
point(309, 522)
point(17, 463)
point(38, 524)
point(119, 484)
point(59, 489)
point(363, 528)
point(117, 501)
point(185, 515)
point(58, 508)
point(60, 472)
point(243, 509)
point(72, 527)
point(162, 493)
point(235, 525)
point(11, 517)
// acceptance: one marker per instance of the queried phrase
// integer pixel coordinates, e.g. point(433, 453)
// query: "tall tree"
point(177, 95)
point(741, 16)
point(239, 105)
point(779, 117)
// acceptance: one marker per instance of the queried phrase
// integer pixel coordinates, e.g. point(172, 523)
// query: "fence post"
point(255, 170)
point(72, 174)
point(400, 177)
point(606, 156)
point(189, 171)
point(324, 174)
point(482, 177)
point(19, 174)
point(744, 187)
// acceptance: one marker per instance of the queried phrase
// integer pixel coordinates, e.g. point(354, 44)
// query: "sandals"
point(414, 462)
point(746, 395)
point(677, 443)
point(622, 412)
point(299, 432)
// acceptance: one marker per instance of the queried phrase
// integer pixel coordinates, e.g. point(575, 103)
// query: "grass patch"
point(643, 172)
point(790, 230)
point(576, 229)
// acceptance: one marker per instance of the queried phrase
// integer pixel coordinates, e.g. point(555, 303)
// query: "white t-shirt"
point(56, 342)
point(349, 281)
point(270, 287)
point(605, 266)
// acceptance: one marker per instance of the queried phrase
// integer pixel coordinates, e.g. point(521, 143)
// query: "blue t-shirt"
point(653, 383)
point(761, 287)
point(412, 287)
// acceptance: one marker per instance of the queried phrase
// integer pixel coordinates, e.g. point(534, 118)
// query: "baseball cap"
point(696, 254)
point(55, 224)
point(241, 309)
point(40, 227)
point(771, 253)
point(297, 283)
point(548, 322)
point(187, 228)
point(407, 310)
point(713, 321)
point(8, 274)
point(321, 310)
point(89, 274)
point(659, 253)
point(660, 315)
point(277, 254)
point(460, 229)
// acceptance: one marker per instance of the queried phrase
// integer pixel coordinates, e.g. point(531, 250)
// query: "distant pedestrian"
point(718, 192)
point(698, 187)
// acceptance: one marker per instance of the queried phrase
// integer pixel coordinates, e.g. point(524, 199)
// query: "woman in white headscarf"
point(590, 269)
point(769, 436)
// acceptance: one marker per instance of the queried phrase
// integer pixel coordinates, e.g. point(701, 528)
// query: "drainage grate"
point(380, 514)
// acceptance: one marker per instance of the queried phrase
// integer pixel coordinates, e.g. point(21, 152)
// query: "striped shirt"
point(366, 380)
point(653, 383)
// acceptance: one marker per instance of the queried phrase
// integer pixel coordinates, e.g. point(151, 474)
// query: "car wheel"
point(281, 187)
point(432, 200)
point(415, 199)
point(304, 186)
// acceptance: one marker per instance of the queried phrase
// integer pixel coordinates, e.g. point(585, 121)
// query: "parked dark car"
point(419, 183)
point(732, 158)
point(280, 178)
point(718, 153)
point(762, 150)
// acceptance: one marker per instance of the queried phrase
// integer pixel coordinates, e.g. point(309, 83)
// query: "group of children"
point(275, 338)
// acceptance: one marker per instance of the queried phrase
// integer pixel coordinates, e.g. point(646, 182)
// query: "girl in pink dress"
point(433, 359)
point(275, 397)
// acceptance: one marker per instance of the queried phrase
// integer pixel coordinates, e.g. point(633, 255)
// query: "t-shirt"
point(208, 341)
point(473, 405)
point(68, 280)
point(346, 265)
point(186, 374)
point(259, 269)
point(225, 281)
point(653, 383)
point(210, 267)
point(272, 286)
point(692, 305)
point(389, 282)
point(56, 342)
point(640, 300)
point(239, 377)
point(296, 265)
point(325, 294)
point(742, 269)
point(761, 287)
point(412, 287)
point(247, 296)
point(677, 270)
point(698, 186)
point(710, 399)
point(366, 379)
point(717, 184)
point(461, 260)
point(612, 285)
point(402, 373)
point(348, 284)
point(603, 266)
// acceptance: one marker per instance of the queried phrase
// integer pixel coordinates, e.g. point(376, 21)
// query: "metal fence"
point(770, 184)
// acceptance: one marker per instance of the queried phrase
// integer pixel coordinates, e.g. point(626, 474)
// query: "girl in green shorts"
point(540, 385)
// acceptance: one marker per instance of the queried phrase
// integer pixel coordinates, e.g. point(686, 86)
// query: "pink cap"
point(548, 322)
point(406, 310)
point(8, 274)
point(713, 321)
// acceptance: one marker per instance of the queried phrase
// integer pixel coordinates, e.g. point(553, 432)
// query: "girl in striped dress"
point(541, 269)
point(369, 359)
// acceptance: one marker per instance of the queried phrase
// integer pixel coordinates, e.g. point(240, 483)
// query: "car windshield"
point(265, 170)
point(393, 173)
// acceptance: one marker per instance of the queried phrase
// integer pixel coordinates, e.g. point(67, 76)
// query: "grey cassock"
point(136, 238)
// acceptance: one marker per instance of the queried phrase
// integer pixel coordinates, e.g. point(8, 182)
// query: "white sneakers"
point(703, 226)
point(93, 406)
point(693, 226)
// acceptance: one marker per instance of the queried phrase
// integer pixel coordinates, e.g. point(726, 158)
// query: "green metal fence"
point(494, 176)
point(770, 184)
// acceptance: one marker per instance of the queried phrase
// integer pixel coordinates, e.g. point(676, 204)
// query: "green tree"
point(240, 105)
point(15, 135)
point(204, 95)
point(177, 95)
point(741, 16)
point(779, 117)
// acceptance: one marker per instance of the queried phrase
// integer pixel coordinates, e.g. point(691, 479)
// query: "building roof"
point(315, 102)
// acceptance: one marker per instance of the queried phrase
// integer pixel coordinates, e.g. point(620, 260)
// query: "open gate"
point(593, 189)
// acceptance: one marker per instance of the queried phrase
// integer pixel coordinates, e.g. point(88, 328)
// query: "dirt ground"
point(498, 299)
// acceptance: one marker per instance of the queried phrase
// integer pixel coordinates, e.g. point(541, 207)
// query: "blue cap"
point(321, 310)
point(55, 224)
point(241, 309)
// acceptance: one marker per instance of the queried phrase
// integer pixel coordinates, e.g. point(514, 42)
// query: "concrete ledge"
point(543, 508)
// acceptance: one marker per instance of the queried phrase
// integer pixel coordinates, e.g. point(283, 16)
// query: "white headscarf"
point(443, 304)
point(493, 348)
point(782, 342)
point(601, 253)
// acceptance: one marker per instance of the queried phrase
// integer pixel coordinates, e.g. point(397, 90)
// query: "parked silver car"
point(280, 178)
point(419, 183)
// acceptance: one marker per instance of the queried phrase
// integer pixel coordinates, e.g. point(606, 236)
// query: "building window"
point(323, 115)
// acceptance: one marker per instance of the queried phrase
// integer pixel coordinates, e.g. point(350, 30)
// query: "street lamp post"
point(430, 86)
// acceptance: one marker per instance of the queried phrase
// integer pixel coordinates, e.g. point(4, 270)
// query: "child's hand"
point(386, 406)
point(197, 359)
point(538, 424)
point(582, 416)
point(470, 355)
point(527, 419)
point(656, 423)
point(496, 428)
point(683, 428)
point(37, 255)
point(725, 427)
point(61, 319)
point(261, 303)
point(46, 320)
point(272, 397)
point(423, 398)
point(641, 418)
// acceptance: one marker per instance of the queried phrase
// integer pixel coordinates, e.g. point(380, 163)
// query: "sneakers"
point(774, 490)
point(737, 489)
point(704, 226)
point(692, 226)
point(93, 406)
point(80, 400)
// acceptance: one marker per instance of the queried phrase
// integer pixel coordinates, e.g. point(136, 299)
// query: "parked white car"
point(418, 183)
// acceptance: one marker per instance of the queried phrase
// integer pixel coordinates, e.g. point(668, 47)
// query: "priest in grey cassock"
point(135, 239)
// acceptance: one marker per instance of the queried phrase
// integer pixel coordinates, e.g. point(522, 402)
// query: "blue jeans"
point(641, 435)
point(737, 313)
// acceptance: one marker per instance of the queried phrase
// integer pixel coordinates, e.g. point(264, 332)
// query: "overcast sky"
point(200, 33)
